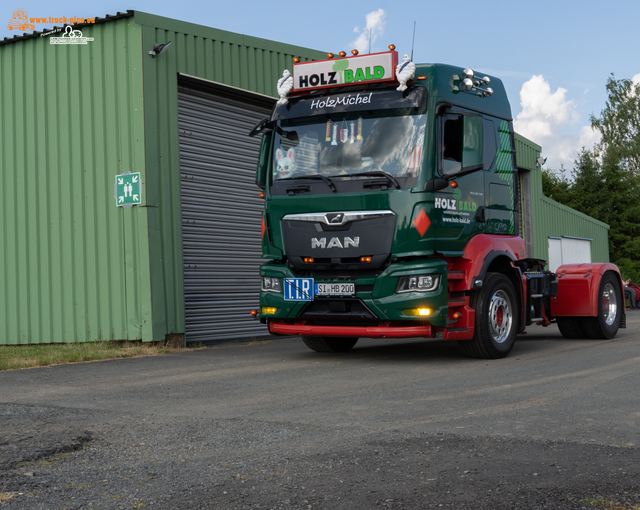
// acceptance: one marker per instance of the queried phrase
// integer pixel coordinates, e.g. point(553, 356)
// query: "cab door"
point(459, 159)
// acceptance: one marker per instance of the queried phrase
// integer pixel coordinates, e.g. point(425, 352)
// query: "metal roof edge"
point(161, 22)
point(528, 142)
point(551, 201)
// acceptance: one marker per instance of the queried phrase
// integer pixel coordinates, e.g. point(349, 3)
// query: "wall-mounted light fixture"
point(158, 48)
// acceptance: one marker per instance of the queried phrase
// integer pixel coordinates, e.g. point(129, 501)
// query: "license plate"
point(335, 289)
point(298, 289)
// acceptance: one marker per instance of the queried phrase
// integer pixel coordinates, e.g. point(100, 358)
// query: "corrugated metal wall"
point(73, 266)
point(232, 59)
point(552, 219)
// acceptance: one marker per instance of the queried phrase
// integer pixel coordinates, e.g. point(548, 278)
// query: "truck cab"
point(392, 212)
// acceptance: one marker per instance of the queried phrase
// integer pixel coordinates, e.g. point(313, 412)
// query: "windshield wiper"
point(380, 173)
point(313, 176)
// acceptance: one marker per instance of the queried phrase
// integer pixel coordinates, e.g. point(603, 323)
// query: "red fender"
point(479, 252)
point(578, 287)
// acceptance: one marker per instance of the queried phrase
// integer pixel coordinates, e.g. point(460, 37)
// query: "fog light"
point(269, 310)
point(418, 312)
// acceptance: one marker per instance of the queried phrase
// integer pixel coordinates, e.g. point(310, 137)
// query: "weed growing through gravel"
point(606, 504)
point(6, 496)
point(29, 356)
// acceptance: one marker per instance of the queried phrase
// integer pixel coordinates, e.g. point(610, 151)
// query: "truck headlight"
point(418, 283)
point(271, 284)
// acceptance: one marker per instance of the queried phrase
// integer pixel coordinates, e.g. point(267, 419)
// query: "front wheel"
point(329, 343)
point(497, 319)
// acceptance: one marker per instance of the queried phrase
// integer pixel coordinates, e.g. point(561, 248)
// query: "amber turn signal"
point(453, 184)
point(308, 260)
point(365, 259)
point(254, 312)
point(261, 194)
point(456, 315)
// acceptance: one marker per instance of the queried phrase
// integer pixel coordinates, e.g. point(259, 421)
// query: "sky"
point(554, 57)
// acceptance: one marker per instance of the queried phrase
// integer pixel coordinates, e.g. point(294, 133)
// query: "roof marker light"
point(343, 53)
point(354, 52)
point(329, 55)
point(392, 47)
point(296, 60)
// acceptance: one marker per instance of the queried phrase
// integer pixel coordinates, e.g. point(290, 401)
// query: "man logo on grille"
point(334, 218)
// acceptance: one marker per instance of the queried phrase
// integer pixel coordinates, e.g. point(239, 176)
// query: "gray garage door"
point(220, 213)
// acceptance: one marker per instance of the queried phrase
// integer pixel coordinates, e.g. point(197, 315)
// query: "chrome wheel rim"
point(500, 317)
point(609, 304)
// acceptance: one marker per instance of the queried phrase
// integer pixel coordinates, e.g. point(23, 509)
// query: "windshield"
point(351, 146)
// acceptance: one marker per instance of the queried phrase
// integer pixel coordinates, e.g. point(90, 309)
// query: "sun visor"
point(351, 101)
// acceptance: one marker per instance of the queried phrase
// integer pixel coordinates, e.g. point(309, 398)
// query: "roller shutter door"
point(220, 214)
point(568, 250)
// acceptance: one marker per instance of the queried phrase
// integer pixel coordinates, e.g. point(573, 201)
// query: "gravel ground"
point(409, 424)
point(54, 458)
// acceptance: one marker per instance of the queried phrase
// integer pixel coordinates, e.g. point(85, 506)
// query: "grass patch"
point(30, 356)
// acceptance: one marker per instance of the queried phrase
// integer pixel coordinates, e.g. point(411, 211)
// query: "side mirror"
point(261, 126)
point(436, 184)
point(264, 159)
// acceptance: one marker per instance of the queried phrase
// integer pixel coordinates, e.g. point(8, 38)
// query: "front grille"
point(336, 308)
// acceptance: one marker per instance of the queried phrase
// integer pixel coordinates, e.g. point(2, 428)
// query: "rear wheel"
point(329, 343)
point(571, 327)
point(497, 319)
point(610, 304)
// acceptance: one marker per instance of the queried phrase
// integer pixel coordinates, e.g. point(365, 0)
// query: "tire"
point(571, 327)
point(610, 304)
point(329, 343)
point(497, 319)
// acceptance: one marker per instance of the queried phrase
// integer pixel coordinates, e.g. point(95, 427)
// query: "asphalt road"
point(390, 424)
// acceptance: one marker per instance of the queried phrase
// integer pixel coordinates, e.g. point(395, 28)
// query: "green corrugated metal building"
point(75, 266)
point(545, 221)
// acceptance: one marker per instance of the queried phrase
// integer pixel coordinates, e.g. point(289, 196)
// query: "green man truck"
point(392, 211)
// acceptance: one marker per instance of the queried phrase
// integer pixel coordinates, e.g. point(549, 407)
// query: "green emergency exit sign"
point(127, 189)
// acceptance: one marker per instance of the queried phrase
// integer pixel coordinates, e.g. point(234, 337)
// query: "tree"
point(619, 123)
point(556, 187)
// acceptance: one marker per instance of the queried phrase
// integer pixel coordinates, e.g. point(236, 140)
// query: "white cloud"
point(375, 22)
point(544, 115)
